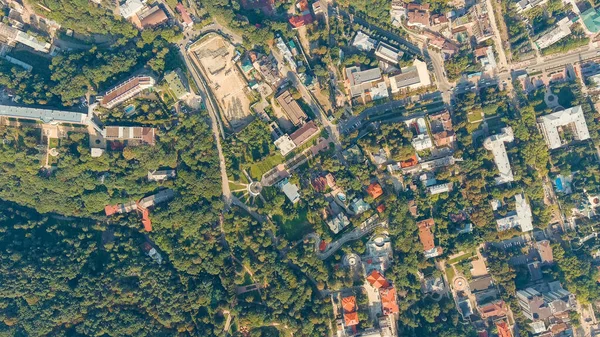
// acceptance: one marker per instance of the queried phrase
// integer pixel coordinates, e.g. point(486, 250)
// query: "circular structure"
point(53, 152)
point(379, 241)
point(351, 260)
point(254, 188)
point(342, 197)
point(460, 283)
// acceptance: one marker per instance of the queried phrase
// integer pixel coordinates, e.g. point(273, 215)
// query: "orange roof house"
point(349, 306)
point(377, 280)
point(427, 238)
point(503, 329)
point(412, 161)
point(375, 190)
point(493, 309)
point(388, 301)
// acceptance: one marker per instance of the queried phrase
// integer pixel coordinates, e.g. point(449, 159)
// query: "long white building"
point(495, 144)
point(573, 118)
point(49, 116)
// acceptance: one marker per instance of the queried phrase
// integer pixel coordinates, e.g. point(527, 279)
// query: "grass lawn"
point(295, 228)
point(450, 274)
point(490, 110)
point(256, 170)
point(474, 116)
point(234, 186)
point(53, 142)
point(462, 257)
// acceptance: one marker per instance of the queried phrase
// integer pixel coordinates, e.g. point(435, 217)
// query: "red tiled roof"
point(494, 309)
point(377, 280)
point(412, 161)
point(185, 16)
point(351, 318)
point(156, 17)
point(375, 190)
point(319, 184)
point(304, 133)
point(349, 304)
point(381, 208)
point(322, 245)
point(425, 234)
point(503, 329)
point(388, 301)
point(299, 21)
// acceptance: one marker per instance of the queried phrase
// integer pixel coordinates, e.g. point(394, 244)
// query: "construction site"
point(216, 57)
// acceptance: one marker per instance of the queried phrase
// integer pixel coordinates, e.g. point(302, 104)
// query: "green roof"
point(176, 84)
point(591, 19)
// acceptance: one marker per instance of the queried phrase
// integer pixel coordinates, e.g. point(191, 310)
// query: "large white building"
point(561, 31)
point(495, 144)
point(130, 8)
point(521, 217)
point(413, 77)
point(364, 42)
point(388, 54)
point(12, 35)
point(572, 117)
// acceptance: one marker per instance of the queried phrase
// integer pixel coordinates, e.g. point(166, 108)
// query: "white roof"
point(495, 144)
point(285, 144)
point(291, 192)
point(363, 41)
point(43, 115)
point(522, 216)
point(388, 53)
point(130, 8)
point(550, 124)
point(422, 142)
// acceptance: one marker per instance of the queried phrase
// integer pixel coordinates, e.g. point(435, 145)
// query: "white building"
point(130, 8)
point(411, 78)
point(397, 12)
point(338, 222)
point(366, 83)
point(291, 191)
point(286, 52)
point(495, 144)
point(551, 124)
point(12, 35)
point(521, 217)
point(441, 188)
point(561, 31)
point(422, 142)
point(285, 144)
point(364, 42)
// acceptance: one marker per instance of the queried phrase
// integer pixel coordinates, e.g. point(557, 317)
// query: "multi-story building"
point(126, 90)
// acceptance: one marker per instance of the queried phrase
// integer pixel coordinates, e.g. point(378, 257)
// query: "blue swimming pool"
point(129, 109)
point(559, 184)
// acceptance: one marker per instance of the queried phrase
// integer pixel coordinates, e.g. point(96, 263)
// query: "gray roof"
point(481, 283)
point(43, 115)
point(410, 76)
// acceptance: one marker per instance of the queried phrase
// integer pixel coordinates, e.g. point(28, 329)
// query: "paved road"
point(502, 62)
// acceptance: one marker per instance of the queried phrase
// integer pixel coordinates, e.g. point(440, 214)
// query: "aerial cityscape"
point(267, 168)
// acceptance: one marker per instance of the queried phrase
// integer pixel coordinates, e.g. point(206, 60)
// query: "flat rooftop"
point(43, 115)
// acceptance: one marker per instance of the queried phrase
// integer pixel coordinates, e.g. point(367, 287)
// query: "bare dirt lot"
point(214, 55)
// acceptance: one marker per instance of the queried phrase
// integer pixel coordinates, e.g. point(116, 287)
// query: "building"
point(291, 108)
point(441, 128)
point(286, 52)
point(186, 19)
point(485, 55)
point(411, 78)
point(539, 306)
point(524, 5)
point(365, 85)
point(388, 54)
point(418, 15)
point(359, 206)
point(153, 16)
point(126, 90)
point(349, 307)
point(12, 35)
point(376, 280)
point(285, 144)
point(143, 135)
point(545, 250)
point(503, 329)
point(422, 142)
point(160, 175)
point(495, 144)
point(130, 8)
point(291, 191)
point(558, 33)
point(440, 188)
point(521, 217)
point(375, 190)
point(494, 309)
point(304, 133)
point(177, 86)
point(397, 12)
point(338, 222)
point(268, 68)
point(553, 123)
point(47, 116)
point(317, 8)
point(591, 20)
point(363, 41)
point(427, 238)
point(304, 18)
point(389, 301)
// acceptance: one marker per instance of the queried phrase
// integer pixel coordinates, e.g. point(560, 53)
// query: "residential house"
point(418, 15)
point(349, 307)
point(544, 248)
point(422, 142)
point(290, 190)
point(427, 238)
point(338, 222)
point(359, 206)
point(389, 301)
point(13, 35)
point(485, 55)
point(440, 188)
point(186, 19)
point(441, 128)
point(286, 52)
point(375, 190)
point(572, 118)
point(304, 18)
point(377, 280)
point(495, 144)
point(292, 110)
point(161, 175)
point(268, 68)
point(494, 309)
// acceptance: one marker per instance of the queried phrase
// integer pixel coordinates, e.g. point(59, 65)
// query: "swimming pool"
point(129, 109)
